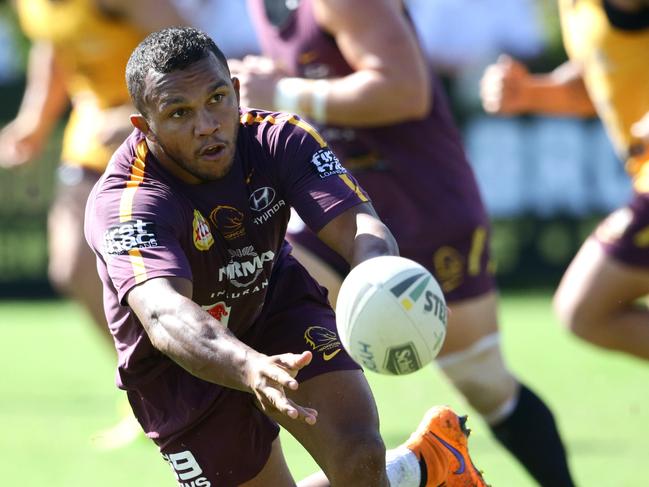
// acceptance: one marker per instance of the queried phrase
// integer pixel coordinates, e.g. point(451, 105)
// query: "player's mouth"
point(212, 151)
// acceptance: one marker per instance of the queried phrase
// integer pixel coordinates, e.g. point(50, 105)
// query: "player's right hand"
point(19, 144)
point(502, 87)
point(269, 375)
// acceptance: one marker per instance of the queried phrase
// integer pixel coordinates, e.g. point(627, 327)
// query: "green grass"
point(56, 391)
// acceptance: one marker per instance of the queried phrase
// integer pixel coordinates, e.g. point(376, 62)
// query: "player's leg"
point(472, 360)
point(233, 442)
point(275, 472)
point(597, 300)
point(72, 265)
point(345, 441)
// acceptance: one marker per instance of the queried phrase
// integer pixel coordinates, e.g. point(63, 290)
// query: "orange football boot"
point(443, 430)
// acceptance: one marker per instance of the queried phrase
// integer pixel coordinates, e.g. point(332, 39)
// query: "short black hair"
point(164, 51)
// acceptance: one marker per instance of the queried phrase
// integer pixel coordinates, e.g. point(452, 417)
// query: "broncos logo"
point(229, 221)
point(321, 339)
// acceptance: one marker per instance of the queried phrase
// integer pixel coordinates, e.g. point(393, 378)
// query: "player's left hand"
point(258, 77)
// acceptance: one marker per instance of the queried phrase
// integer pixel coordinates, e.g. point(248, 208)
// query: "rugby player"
point(221, 334)
point(606, 74)
point(356, 70)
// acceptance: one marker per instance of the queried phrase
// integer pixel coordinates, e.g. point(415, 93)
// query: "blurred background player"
point(369, 90)
point(78, 54)
point(607, 74)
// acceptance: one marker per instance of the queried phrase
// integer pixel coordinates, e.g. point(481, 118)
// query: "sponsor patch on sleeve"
point(326, 163)
point(129, 235)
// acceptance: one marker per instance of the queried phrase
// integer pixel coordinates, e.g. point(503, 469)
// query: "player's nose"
point(206, 123)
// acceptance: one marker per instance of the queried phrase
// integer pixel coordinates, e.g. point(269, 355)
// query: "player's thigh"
point(470, 320)
point(275, 472)
point(231, 444)
point(596, 284)
point(347, 417)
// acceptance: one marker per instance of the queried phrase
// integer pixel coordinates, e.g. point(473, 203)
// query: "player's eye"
point(217, 98)
point(178, 113)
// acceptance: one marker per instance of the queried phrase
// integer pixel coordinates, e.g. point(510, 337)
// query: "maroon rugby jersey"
point(415, 167)
point(224, 235)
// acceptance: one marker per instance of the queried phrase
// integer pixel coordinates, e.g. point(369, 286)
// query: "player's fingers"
point(294, 362)
point(278, 401)
point(308, 415)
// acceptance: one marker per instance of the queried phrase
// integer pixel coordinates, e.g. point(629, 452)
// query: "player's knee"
point(480, 374)
point(358, 460)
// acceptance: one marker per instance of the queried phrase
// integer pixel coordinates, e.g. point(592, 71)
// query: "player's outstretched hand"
point(20, 143)
point(270, 375)
point(502, 87)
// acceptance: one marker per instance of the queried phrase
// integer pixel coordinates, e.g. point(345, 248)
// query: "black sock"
point(531, 435)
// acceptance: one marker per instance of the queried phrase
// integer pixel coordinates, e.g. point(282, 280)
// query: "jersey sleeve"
point(137, 236)
point(315, 182)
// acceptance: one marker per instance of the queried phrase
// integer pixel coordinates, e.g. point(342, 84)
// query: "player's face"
point(193, 120)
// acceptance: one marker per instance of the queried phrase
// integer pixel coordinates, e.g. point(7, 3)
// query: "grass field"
point(56, 391)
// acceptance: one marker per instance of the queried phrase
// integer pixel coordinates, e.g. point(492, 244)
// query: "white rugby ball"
point(391, 315)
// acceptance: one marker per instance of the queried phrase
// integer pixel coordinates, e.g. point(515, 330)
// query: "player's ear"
point(235, 84)
point(140, 123)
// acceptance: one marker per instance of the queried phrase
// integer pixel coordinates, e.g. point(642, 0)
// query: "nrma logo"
point(412, 289)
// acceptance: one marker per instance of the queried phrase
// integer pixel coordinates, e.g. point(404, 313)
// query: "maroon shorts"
point(624, 234)
point(460, 263)
point(231, 441)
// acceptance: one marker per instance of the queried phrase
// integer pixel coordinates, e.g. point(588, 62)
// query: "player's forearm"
point(561, 92)
point(45, 97)
point(201, 345)
point(372, 239)
point(364, 98)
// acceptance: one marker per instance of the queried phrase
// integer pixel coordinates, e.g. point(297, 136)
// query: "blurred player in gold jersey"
point(608, 75)
point(78, 55)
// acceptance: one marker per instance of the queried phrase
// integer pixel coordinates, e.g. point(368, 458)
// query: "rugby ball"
point(391, 315)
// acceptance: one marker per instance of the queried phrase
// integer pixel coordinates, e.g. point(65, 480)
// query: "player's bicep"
point(364, 46)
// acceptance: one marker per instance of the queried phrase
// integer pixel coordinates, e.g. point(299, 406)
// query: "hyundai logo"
point(262, 198)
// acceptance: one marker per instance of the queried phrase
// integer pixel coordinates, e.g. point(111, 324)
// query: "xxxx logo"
point(203, 239)
point(220, 311)
point(321, 339)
